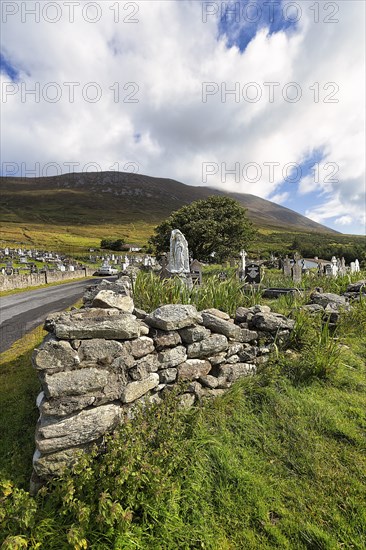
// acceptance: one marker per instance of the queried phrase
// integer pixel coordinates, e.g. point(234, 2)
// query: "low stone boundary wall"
point(99, 363)
point(12, 282)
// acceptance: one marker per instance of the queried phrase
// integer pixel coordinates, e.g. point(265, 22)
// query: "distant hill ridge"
point(123, 197)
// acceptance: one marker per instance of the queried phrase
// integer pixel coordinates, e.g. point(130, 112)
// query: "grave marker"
point(253, 274)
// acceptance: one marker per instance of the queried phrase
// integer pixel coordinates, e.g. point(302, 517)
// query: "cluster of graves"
point(178, 263)
point(123, 261)
point(298, 266)
point(18, 260)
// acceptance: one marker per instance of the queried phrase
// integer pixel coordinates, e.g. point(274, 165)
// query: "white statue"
point(357, 266)
point(334, 266)
point(179, 256)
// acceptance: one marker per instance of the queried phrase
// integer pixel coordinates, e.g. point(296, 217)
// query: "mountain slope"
point(122, 198)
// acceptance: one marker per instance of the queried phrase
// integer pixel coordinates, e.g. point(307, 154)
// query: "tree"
point(113, 244)
point(216, 225)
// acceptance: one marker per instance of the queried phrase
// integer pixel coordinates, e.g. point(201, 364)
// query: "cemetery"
point(101, 363)
point(170, 339)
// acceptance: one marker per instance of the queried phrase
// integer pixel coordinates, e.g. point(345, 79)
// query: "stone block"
point(192, 369)
point(172, 357)
point(110, 324)
point(210, 346)
point(84, 427)
point(134, 390)
point(173, 317)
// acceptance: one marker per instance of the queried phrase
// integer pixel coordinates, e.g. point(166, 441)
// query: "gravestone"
point(287, 267)
point(342, 270)
point(243, 256)
point(196, 272)
point(328, 270)
point(320, 269)
point(296, 273)
point(296, 269)
point(164, 273)
point(9, 269)
point(334, 266)
point(357, 266)
point(252, 274)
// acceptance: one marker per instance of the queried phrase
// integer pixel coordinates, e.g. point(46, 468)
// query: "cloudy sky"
point(264, 97)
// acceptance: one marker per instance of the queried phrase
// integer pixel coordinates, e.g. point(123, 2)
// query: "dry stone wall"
point(99, 362)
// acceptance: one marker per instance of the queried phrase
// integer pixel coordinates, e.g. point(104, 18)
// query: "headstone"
point(320, 269)
point(253, 274)
point(296, 272)
point(164, 273)
point(287, 267)
point(296, 269)
point(342, 270)
point(243, 256)
point(196, 272)
point(178, 255)
point(9, 269)
point(357, 266)
point(328, 269)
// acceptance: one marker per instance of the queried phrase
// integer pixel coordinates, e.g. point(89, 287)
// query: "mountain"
point(120, 198)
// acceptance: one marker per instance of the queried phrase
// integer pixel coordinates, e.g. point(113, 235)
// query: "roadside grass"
point(277, 462)
point(19, 386)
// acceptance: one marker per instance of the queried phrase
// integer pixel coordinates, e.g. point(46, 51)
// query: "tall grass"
point(150, 292)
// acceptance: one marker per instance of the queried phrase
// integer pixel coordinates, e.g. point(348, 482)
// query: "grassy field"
point(277, 462)
point(71, 239)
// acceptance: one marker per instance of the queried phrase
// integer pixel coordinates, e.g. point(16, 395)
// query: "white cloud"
point(280, 198)
point(343, 220)
point(169, 53)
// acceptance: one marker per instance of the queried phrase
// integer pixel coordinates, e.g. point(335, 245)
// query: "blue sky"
point(241, 20)
point(8, 69)
point(160, 70)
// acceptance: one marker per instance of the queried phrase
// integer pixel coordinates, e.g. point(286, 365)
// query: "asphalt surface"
point(21, 313)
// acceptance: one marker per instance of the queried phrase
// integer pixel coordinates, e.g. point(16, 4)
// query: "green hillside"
point(77, 210)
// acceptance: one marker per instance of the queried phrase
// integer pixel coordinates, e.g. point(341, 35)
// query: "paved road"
point(21, 313)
